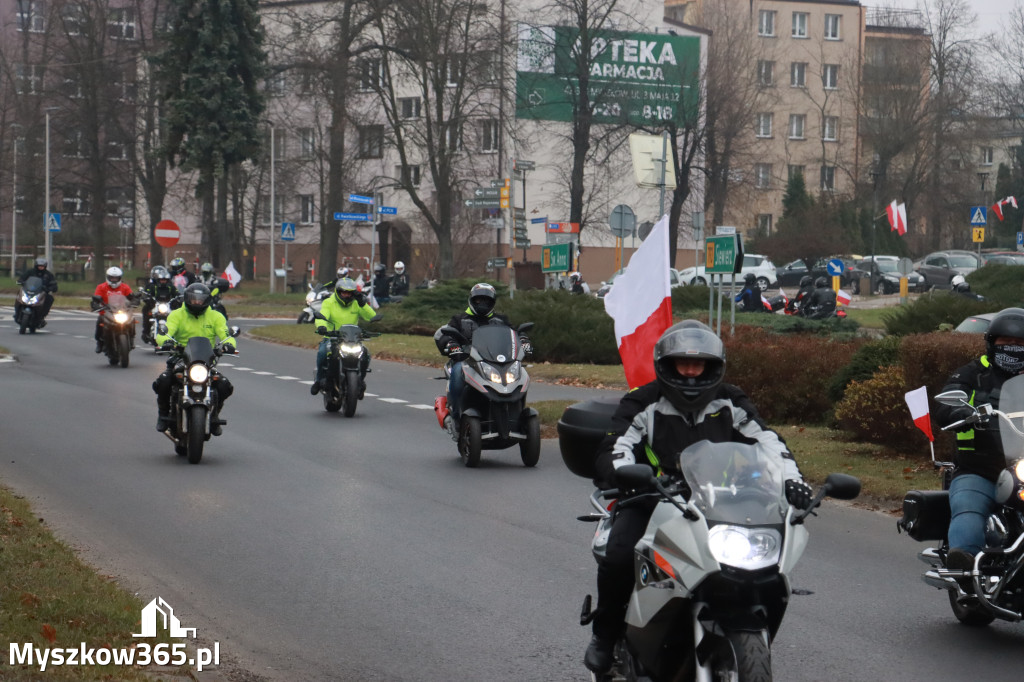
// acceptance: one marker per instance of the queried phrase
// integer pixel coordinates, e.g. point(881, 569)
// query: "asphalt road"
point(314, 547)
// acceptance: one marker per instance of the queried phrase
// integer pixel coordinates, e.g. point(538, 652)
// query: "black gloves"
point(168, 345)
point(527, 346)
point(798, 493)
point(961, 413)
point(451, 347)
point(361, 298)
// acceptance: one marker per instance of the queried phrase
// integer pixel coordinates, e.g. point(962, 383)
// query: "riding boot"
point(163, 418)
point(614, 585)
point(215, 421)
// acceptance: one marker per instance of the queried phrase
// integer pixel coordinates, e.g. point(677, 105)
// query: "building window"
point(986, 156)
point(74, 145)
point(490, 69)
point(126, 87)
point(280, 144)
point(795, 170)
point(307, 80)
point(31, 16)
point(830, 76)
point(800, 24)
point(453, 135)
point(797, 122)
point(830, 129)
point(371, 142)
point(264, 209)
point(276, 84)
point(29, 79)
point(764, 224)
point(72, 86)
point(307, 209)
point(764, 125)
point(490, 133)
point(762, 175)
point(409, 176)
point(832, 23)
point(766, 23)
point(119, 203)
point(409, 107)
point(454, 70)
point(73, 17)
point(307, 143)
point(798, 74)
point(118, 148)
point(765, 73)
point(371, 74)
point(828, 178)
point(121, 24)
point(75, 201)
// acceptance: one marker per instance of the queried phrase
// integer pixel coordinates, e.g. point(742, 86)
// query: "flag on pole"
point(842, 298)
point(232, 275)
point(897, 214)
point(640, 303)
point(892, 214)
point(998, 207)
point(917, 401)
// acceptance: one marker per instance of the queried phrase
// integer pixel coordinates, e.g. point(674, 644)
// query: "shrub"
point(690, 299)
point(929, 311)
point(929, 359)
point(875, 410)
point(424, 310)
point(864, 363)
point(1001, 285)
point(567, 328)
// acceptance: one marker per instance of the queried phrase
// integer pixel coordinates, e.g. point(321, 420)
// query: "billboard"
point(637, 78)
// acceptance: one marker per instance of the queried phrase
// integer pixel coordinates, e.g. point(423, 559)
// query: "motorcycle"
point(995, 585)
point(118, 327)
point(29, 305)
point(194, 394)
point(343, 386)
point(158, 318)
point(314, 300)
point(712, 571)
point(494, 413)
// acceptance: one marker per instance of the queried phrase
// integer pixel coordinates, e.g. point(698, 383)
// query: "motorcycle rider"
point(482, 298)
point(39, 269)
point(381, 283)
point(347, 306)
point(400, 280)
point(577, 285)
point(979, 458)
point(180, 276)
point(822, 302)
point(194, 318)
point(750, 297)
point(687, 402)
point(207, 275)
point(798, 304)
point(159, 288)
point(342, 273)
point(958, 285)
point(113, 284)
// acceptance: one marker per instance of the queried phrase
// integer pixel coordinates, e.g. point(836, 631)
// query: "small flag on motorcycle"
point(842, 298)
point(917, 401)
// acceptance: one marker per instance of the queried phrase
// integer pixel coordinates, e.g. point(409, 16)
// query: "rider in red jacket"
point(112, 285)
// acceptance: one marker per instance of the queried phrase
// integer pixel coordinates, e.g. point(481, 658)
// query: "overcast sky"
point(991, 13)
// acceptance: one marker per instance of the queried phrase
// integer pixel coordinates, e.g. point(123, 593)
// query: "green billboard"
point(556, 257)
point(636, 78)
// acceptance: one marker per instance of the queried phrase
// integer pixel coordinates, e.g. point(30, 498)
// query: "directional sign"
point(53, 222)
point(977, 234)
point(835, 267)
point(523, 165)
point(503, 202)
point(167, 233)
point(494, 222)
point(979, 215)
point(498, 183)
point(521, 234)
point(387, 210)
point(482, 203)
point(497, 263)
point(519, 222)
point(360, 199)
point(365, 217)
point(1020, 240)
point(564, 228)
point(487, 192)
point(523, 244)
point(538, 221)
point(287, 232)
point(555, 257)
point(519, 212)
point(720, 254)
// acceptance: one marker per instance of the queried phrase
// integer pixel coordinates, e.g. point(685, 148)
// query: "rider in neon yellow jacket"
point(347, 306)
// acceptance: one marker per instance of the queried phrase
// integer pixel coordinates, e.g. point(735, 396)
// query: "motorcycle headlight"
point(310, 297)
point(163, 308)
point(1018, 470)
point(198, 373)
point(32, 300)
point(490, 373)
point(512, 373)
point(120, 317)
point(746, 548)
point(351, 348)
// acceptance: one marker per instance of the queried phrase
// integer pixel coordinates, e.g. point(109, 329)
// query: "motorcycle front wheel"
point(351, 397)
point(303, 318)
point(745, 658)
point(470, 441)
point(122, 349)
point(196, 433)
point(529, 449)
point(971, 615)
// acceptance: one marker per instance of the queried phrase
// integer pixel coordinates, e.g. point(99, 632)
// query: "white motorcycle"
point(314, 300)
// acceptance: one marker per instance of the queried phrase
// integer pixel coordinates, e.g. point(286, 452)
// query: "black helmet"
point(379, 268)
point(694, 340)
point(806, 281)
point(197, 298)
point(749, 278)
point(820, 283)
point(1009, 322)
point(345, 290)
point(482, 298)
point(177, 266)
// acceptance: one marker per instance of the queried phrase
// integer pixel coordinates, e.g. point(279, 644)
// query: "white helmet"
point(114, 275)
point(399, 267)
point(342, 272)
point(957, 280)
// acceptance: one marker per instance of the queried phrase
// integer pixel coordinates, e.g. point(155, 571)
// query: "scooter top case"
point(580, 431)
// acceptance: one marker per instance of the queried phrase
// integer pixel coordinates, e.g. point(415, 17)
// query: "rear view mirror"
point(235, 331)
point(842, 486)
point(952, 398)
point(635, 477)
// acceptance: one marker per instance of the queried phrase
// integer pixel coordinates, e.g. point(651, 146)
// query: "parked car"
point(887, 276)
point(674, 280)
point(760, 265)
point(1004, 258)
point(791, 273)
point(942, 266)
point(976, 324)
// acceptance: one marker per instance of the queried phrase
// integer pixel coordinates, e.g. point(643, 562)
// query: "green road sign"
point(555, 257)
point(497, 263)
point(636, 78)
point(722, 254)
point(482, 203)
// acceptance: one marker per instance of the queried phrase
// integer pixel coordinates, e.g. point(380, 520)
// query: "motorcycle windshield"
point(350, 333)
point(1011, 401)
point(735, 483)
point(33, 285)
point(117, 302)
point(199, 349)
point(494, 343)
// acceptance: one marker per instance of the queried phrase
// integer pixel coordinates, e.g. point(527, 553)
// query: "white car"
point(761, 266)
point(674, 280)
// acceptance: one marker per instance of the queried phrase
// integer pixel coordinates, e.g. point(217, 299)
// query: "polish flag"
point(232, 275)
point(917, 401)
point(901, 219)
point(842, 297)
point(998, 207)
point(640, 303)
point(892, 210)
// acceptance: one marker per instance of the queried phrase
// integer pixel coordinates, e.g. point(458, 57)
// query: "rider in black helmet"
point(39, 269)
point(822, 302)
point(749, 298)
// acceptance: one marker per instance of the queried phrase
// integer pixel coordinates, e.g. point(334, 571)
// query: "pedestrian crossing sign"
point(53, 222)
point(287, 232)
point(979, 215)
point(978, 234)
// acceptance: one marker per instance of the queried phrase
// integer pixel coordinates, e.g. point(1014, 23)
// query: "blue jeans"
point(971, 501)
point(456, 384)
point(321, 359)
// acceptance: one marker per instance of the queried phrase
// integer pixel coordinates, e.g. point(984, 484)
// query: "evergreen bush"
point(927, 313)
point(1001, 285)
point(875, 410)
point(567, 328)
point(868, 359)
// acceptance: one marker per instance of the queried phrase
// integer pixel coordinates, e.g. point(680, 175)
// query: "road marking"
point(243, 369)
point(308, 383)
point(422, 407)
point(6, 358)
point(82, 336)
point(369, 395)
point(392, 400)
point(226, 364)
point(287, 378)
point(264, 373)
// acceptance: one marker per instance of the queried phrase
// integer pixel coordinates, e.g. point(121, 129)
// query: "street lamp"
point(14, 203)
point(46, 215)
point(876, 176)
point(273, 206)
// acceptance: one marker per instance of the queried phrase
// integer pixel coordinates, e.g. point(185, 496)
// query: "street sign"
point(720, 254)
point(167, 233)
point(360, 199)
point(519, 222)
point(487, 192)
point(497, 223)
point(905, 266)
point(555, 257)
point(503, 202)
point(497, 263)
point(352, 216)
point(1020, 241)
point(725, 229)
point(387, 210)
point(564, 228)
point(503, 192)
point(287, 232)
point(521, 234)
point(622, 221)
point(538, 221)
point(977, 234)
point(523, 243)
point(483, 203)
point(53, 222)
point(523, 165)
point(498, 183)
point(979, 216)
point(835, 267)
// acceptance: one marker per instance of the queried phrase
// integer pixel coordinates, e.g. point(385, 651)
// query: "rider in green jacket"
point(347, 306)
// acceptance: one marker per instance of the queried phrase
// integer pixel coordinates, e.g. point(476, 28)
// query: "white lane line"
point(287, 378)
point(308, 383)
point(82, 336)
point(393, 400)
point(263, 373)
point(421, 407)
point(6, 358)
point(243, 369)
point(226, 364)
point(61, 334)
point(371, 395)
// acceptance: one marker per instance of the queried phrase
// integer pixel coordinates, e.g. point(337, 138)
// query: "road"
point(314, 547)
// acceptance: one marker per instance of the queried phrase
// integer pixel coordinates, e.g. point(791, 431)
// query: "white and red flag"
point(997, 208)
point(917, 401)
point(640, 302)
point(897, 214)
point(232, 275)
point(843, 298)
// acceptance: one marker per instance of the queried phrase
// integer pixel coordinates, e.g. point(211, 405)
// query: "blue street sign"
point(53, 222)
point(388, 210)
point(979, 215)
point(360, 199)
point(835, 267)
point(352, 216)
point(537, 221)
point(287, 232)
point(1020, 239)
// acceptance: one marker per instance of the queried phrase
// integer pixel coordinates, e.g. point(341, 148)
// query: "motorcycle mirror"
point(377, 318)
point(161, 327)
point(454, 333)
point(952, 398)
point(525, 327)
point(319, 315)
point(842, 486)
point(235, 331)
point(633, 476)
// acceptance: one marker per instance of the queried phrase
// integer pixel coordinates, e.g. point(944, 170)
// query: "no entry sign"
point(167, 233)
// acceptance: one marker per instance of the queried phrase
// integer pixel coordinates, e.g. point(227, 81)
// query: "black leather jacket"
point(49, 281)
point(467, 323)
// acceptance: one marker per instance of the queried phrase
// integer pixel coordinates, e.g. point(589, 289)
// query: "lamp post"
point(273, 206)
point(46, 203)
point(982, 177)
point(14, 204)
point(876, 176)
